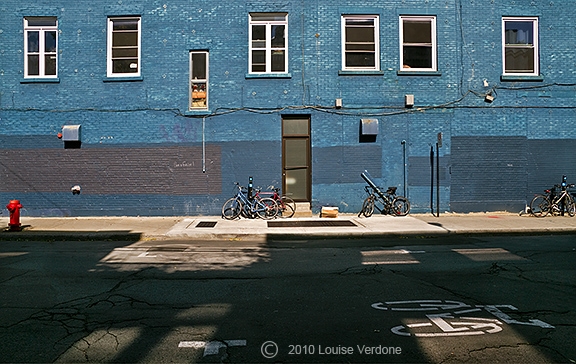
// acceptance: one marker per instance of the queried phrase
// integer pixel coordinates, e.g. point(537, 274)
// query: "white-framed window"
point(520, 46)
point(40, 47)
point(418, 43)
point(360, 43)
point(123, 47)
point(268, 34)
point(198, 80)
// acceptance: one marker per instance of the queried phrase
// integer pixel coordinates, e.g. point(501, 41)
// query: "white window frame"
point(534, 45)
point(433, 45)
point(376, 51)
point(42, 52)
point(110, 58)
point(200, 83)
point(268, 48)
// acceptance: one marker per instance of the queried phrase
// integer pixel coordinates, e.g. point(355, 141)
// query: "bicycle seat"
point(392, 190)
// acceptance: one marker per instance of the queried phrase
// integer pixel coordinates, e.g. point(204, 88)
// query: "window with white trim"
point(268, 34)
point(360, 43)
point(418, 43)
point(40, 47)
point(520, 46)
point(198, 80)
point(123, 47)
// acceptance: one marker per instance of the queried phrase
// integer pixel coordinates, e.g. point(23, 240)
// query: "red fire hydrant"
point(14, 207)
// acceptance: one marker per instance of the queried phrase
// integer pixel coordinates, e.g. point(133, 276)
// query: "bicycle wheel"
point(231, 208)
point(570, 206)
point(287, 207)
point(266, 208)
point(540, 206)
point(368, 206)
point(400, 206)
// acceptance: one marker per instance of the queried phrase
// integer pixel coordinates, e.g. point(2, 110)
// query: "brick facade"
point(144, 152)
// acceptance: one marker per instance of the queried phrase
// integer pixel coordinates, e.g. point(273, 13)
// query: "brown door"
point(296, 158)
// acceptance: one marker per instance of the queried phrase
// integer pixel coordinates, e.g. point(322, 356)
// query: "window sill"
point(123, 79)
point(511, 78)
point(197, 112)
point(360, 73)
point(418, 73)
point(268, 75)
point(40, 80)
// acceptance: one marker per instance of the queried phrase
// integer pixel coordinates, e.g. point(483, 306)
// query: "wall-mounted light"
point(409, 100)
point(338, 103)
point(489, 97)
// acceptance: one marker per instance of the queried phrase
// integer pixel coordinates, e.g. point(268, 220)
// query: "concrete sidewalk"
point(344, 226)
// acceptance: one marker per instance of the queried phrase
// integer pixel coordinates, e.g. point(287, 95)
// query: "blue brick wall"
point(245, 114)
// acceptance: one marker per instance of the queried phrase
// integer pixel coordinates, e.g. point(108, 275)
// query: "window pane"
point(258, 61)
point(41, 22)
point(125, 39)
point(33, 42)
point(360, 47)
point(199, 66)
point(518, 32)
point(278, 61)
point(295, 127)
point(417, 57)
point(258, 32)
point(50, 65)
point(268, 16)
point(296, 153)
point(125, 66)
point(50, 41)
point(125, 53)
point(417, 32)
point(33, 65)
point(278, 40)
point(125, 24)
point(359, 34)
point(519, 60)
point(296, 182)
point(358, 59)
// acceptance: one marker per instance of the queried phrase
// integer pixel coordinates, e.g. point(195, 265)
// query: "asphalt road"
point(421, 299)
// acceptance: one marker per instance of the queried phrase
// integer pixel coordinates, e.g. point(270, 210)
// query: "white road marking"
point(211, 347)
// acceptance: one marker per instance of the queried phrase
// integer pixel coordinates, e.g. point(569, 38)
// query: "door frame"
point(308, 138)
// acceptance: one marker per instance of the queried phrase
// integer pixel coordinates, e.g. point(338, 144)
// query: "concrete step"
point(303, 209)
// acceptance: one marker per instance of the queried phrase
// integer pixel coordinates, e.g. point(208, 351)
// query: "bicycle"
point(286, 205)
point(390, 202)
point(242, 205)
point(553, 203)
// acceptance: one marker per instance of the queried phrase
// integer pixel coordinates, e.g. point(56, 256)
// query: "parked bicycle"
point(286, 205)
point(250, 207)
point(554, 203)
point(385, 202)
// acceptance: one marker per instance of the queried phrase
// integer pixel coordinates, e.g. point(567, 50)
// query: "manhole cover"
point(206, 224)
point(310, 223)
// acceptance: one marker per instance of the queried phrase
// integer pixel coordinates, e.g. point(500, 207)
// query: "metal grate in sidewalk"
point(339, 223)
point(206, 224)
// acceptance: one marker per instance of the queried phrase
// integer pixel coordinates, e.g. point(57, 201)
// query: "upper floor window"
point(520, 46)
point(360, 46)
point(123, 47)
point(418, 43)
point(198, 80)
point(268, 43)
point(40, 47)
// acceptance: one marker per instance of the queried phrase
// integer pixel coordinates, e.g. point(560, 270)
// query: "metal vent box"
point(369, 126)
point(71, 133)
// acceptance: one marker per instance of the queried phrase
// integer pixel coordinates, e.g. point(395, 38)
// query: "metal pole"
point(437, 181)
point(432, 179)
point(404, 161)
